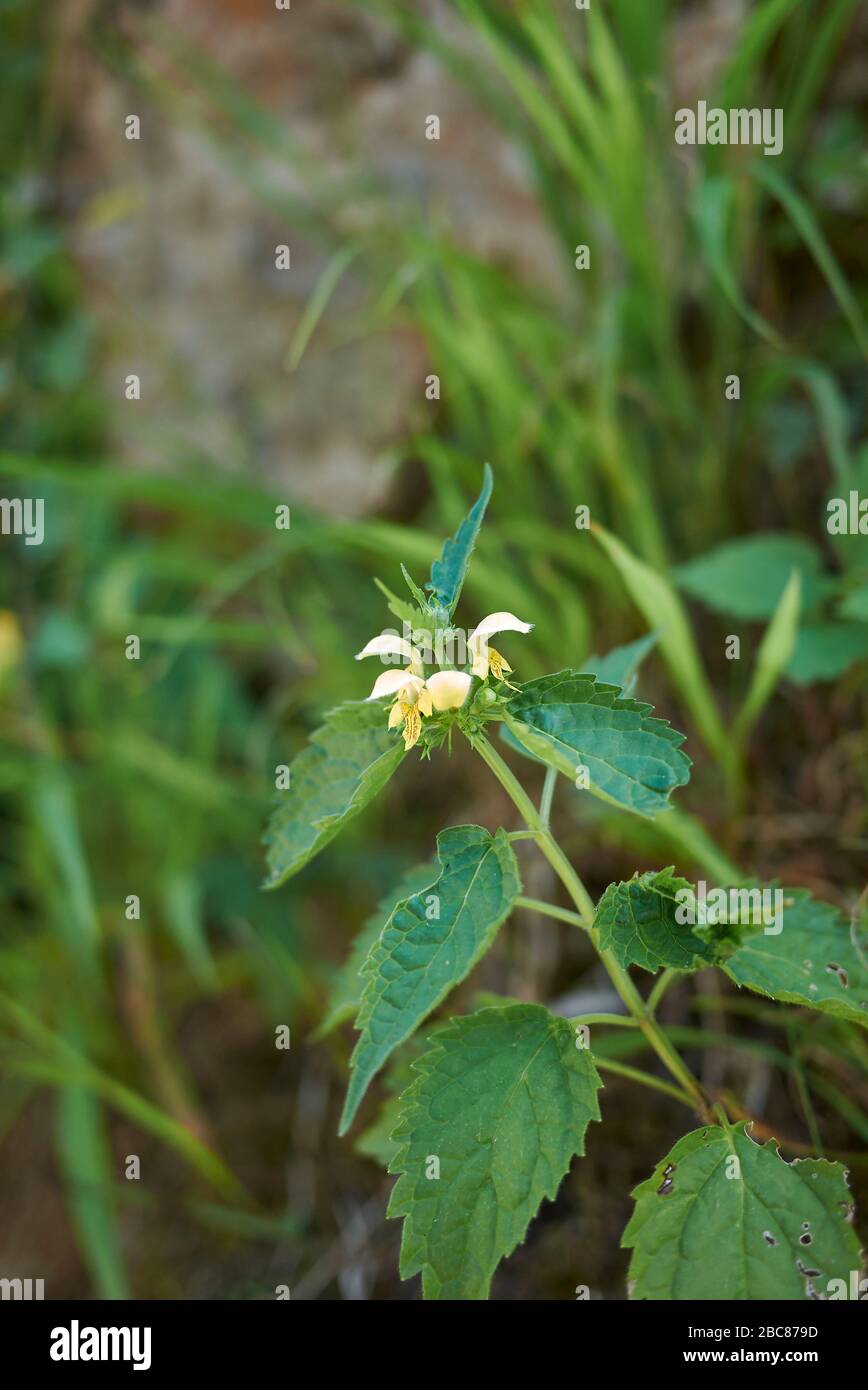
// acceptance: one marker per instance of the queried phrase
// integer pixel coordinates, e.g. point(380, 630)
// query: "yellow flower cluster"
point(416, 697)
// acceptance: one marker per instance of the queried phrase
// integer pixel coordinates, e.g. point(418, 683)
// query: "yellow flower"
point(412, 700)
point(416, 698)
point(448, 689)
point(484, 657)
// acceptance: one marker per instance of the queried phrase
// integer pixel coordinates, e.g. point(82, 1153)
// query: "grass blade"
point(775, 651)
point(663, 610)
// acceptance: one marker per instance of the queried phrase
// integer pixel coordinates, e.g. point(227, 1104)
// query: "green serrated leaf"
point(376, 1141)
point(447, 573)
point(816, 959)
point(502, 1102)
point(508, 737)
point(568, 719)
point(431, 941)
point(348, 760)
point(346, 991)
point(637, 923)
point(724, 1218)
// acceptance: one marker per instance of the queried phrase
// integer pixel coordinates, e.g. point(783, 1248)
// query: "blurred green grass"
point(153, 777)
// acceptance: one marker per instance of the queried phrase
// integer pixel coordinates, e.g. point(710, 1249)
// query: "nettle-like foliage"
point(497, 1102)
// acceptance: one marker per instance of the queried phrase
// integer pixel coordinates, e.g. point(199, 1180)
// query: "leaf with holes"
point(724, 1218)
point(816, 959)
point(431, 941)
point(501, 1103)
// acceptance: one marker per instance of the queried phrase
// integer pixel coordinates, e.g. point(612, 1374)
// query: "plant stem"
point(670, 1058)
point(644, 1078)
point(619, 1020)
point(661, 984)
point(585, 907)
point(562, 914)
point(548, 791)
point(541, 833)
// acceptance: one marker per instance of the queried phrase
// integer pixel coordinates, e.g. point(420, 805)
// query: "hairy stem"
point(585, 908)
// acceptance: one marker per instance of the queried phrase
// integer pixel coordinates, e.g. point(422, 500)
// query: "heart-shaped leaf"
point(488, 1129)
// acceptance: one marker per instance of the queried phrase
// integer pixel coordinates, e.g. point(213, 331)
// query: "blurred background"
point(156, 257)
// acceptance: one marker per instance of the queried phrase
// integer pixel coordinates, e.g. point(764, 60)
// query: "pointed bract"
point(447, 573)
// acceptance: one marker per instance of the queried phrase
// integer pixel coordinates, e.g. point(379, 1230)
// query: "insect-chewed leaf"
point(568, 720)
point(637, 922)
point(346, 991)
point(431, 941)
point(814, 959)
point(348, 760)
point(487, 1130)
point(725, 1218)
point(447, 573)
